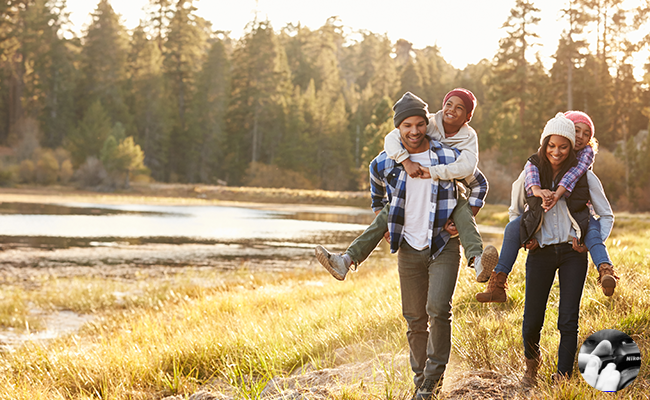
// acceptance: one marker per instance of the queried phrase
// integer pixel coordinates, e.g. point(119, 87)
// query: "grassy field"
point(231, 333)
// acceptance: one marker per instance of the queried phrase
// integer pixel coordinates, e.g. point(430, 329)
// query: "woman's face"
point(557, 150)
point(583, 135)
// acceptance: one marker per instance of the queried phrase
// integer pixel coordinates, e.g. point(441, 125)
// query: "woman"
point(550, 238)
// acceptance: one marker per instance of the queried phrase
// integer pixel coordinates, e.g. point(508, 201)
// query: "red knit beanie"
point(579, 116)
point(466, 96)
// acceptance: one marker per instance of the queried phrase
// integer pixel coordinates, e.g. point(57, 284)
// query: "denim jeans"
point(427, 286)
point(541, 265)
point(594, 243)
point(510, 247)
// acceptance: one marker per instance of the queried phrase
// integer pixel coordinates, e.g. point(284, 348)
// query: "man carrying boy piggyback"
point(418, 219)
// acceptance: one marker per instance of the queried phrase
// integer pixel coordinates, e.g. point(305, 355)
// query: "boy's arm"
point(585, 160)
point(377, 187)
point(465, 164)
point(393, 147)
point(478, 186)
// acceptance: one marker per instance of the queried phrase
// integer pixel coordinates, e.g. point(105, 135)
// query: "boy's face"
point(454, 111)
point(412, 132)
point(583, 135)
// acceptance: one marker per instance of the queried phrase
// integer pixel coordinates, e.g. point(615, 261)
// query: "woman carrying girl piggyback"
point(586, 147)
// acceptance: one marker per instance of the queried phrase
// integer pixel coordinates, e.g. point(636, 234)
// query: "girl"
point(586, 146)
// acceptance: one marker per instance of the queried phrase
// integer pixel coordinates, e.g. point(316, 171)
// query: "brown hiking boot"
point(496, 289)
point(530, 376)
point(607, 278)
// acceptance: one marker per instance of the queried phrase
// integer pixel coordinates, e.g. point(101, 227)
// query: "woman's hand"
point(580, 248)
point(532, 244)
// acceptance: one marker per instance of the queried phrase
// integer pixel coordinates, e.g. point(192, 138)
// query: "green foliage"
point(88, 138)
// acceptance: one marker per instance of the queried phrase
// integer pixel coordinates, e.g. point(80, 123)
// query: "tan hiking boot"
point(485, 263)
point(607, 278)
point(530, 376)
point(496, 289)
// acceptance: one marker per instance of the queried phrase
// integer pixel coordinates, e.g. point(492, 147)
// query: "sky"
point(466, 31)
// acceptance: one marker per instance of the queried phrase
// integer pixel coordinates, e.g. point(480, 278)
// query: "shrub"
point(27, 171)
point(47, 167)
point(66, 172)
point(271, 176)
point(91, 173)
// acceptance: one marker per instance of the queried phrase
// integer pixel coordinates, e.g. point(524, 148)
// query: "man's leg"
point(572, 274)
point(365, 243)
point(412, 266)
point(443, 273)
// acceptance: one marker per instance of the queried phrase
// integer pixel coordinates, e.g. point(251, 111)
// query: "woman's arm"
point(601, 205)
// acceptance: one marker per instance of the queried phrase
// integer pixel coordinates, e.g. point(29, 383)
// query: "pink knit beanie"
point(579, 116)
point(466, 96)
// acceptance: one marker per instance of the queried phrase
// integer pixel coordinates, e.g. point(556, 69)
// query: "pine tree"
point(104, 65)
point(88, 138)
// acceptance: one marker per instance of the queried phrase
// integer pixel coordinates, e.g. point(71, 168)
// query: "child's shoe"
point(336, 264)
point(496, 289)
point(485, 263)
point(607, 278)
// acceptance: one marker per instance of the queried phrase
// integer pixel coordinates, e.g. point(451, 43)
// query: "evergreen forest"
point(178, 100)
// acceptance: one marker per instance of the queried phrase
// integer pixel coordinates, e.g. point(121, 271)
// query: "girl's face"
point(583, 135)
point(557, 150)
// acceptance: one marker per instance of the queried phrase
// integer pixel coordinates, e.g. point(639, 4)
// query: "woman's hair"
point(545, 165)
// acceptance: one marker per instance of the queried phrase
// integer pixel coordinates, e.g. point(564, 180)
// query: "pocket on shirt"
point(446, 185)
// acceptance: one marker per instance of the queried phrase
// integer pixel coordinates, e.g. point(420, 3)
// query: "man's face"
point(412, 131)
point(454, 111)
point(583, 135)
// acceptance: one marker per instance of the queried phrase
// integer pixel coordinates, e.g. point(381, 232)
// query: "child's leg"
point(510, 247)
point(594, 243)
point(467, 229)
point(365, 243)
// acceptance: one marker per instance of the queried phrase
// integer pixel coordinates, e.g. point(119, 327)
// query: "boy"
point(448, 126)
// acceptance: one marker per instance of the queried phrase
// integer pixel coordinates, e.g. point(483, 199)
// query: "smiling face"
point(413, 133)
point(557, 150)
point(454, 114)
point(583, 135)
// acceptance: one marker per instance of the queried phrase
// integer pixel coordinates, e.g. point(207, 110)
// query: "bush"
point(271, 176)
point(8, 174)
point(47, 167)
point(91, 173)
point(66, 172)
point(27, 171)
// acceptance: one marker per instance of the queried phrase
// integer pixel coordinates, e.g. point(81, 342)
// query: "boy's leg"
point(365, 243)
point(468, 233)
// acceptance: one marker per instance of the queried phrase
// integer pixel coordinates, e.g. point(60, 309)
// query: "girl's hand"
point(551, 201)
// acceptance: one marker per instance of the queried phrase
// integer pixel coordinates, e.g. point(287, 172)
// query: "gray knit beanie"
point(408, 106)
point(562, 126)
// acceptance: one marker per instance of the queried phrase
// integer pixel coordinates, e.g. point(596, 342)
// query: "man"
point(420, 232)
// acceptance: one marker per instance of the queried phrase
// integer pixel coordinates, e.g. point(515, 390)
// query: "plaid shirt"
point(585, 161)
point(388, 185)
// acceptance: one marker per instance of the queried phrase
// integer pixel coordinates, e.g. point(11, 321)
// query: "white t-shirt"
point(418, 206)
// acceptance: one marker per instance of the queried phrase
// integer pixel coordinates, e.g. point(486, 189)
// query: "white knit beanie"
point(562, 126)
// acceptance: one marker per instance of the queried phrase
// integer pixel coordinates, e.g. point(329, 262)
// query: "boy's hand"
point(425, 173)
point(412, 168)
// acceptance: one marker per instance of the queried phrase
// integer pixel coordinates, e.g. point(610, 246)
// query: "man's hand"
point(450, 227)
point(580, 248)
point(412, 168)
point(532, 244)
point(475, 210)
point(387, 234)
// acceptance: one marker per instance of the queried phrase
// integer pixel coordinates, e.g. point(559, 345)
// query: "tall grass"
point(234, 332)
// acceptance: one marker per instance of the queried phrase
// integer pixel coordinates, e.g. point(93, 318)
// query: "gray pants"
point(427, 287)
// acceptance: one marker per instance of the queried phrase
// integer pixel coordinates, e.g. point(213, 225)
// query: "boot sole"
point(608, 283)
point(324, 260)
point(489, 260)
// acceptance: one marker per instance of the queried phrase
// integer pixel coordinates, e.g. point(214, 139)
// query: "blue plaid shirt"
point(388, 185)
